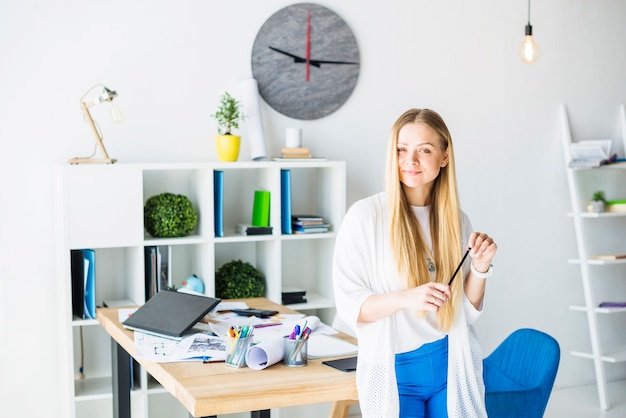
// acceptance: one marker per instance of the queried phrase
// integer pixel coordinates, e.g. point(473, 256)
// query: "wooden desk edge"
point(336, 387)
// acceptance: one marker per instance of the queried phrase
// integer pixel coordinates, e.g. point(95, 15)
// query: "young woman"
point(395, 255)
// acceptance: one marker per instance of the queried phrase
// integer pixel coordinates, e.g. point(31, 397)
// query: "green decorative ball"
point(238, 279)
point(169, 215)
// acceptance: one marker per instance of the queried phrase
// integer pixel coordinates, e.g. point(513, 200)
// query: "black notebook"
point(170, 314)
point(347, 364)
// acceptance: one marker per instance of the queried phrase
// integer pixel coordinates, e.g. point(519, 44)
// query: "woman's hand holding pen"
point(429, 296)
point(483, 250)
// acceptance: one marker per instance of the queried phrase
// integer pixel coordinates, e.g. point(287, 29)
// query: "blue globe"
point(194, 283)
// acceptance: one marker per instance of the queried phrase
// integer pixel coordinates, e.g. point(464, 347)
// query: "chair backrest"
point(520, 373)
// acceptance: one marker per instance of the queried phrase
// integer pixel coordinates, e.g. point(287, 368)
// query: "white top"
point(363, 264)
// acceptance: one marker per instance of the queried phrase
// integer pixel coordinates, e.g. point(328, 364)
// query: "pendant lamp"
point(529, 50)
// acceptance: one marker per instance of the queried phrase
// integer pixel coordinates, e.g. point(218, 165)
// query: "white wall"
point(171, 60)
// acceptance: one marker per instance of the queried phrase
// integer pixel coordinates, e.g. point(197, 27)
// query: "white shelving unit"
point(602, 280)
point(101, 207)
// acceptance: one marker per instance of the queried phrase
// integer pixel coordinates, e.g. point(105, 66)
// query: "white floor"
point(582, 402)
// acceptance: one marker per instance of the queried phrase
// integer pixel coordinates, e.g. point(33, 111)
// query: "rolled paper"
point(265, 353)
point(253, 120)
point(310, 321)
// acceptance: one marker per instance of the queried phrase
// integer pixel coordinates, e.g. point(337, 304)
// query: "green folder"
point(261, 208)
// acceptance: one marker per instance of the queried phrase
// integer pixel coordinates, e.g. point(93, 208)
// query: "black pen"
point(459, 266)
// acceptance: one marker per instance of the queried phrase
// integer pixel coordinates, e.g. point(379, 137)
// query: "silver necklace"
point(430, 264)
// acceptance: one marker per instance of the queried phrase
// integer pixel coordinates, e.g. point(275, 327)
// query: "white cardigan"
point(363, 265)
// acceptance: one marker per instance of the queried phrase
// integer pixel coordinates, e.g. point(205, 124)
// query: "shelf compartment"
point(194, 183)
point(94, 388)
point(306, 264)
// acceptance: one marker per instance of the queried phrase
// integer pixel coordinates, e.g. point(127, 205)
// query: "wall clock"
point(306, 61)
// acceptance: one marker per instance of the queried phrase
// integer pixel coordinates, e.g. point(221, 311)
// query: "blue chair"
point(519, 374)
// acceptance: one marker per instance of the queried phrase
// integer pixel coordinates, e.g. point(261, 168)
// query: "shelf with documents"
point(100, 207)
point(597, 238)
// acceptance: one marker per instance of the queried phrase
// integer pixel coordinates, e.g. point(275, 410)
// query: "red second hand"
point(308, 43)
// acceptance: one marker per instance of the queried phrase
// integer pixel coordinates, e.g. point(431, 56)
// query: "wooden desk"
point(214, 388)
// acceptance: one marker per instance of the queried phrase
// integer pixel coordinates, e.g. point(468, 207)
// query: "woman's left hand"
point(483, 250)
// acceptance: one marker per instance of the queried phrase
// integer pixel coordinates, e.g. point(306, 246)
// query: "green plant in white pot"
point(228, 115)
point(598, 201)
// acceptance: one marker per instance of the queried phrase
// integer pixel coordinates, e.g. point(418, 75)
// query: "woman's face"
point(420, 157)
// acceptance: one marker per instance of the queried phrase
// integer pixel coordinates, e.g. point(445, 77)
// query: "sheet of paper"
point(197, 347)
point(323, 345)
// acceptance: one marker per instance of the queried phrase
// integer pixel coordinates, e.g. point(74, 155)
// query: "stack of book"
point(292, 295)
point(301, 152)
point(308, 224)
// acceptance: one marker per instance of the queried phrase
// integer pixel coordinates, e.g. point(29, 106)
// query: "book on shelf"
point(612, 305)
point(218, 202)
point(285, 201)
point(83, 276)
point(292, 295)
point(296, 156)
point(311, 229)
point(305, 217)
point(616, 206)
point(609, 257)
point(308, 223)
point(247, 229)
point(295, 150)
point(300, 152)
point(157, 269)
point(150, 271)
point(591, 153)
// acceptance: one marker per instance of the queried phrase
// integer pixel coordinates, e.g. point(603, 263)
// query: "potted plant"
point(228, 115)
point(598, 201)
point(168, 215)
point(239, 279)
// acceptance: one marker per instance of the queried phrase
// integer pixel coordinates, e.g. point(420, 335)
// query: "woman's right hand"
point(428, 297)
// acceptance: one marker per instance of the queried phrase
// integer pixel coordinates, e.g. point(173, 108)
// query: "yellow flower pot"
point(227, 147)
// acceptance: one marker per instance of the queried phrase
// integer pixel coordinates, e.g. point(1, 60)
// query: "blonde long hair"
point(407, 241)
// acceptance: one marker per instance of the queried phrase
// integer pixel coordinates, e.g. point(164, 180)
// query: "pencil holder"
point(296, 352)
point(236, 350)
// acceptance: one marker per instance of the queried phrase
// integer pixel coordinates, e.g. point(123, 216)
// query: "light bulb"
point(529, 50)
point(116, 114)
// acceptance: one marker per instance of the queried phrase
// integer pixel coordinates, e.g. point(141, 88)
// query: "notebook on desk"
point(170, 314)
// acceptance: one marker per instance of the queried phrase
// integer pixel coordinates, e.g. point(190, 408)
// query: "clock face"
point(306, 61)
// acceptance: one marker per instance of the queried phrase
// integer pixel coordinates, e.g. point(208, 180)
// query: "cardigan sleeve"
point(471, 313)
point(352, 261)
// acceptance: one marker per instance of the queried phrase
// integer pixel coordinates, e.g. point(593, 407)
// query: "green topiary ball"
point(238, 279)
point(169, 215)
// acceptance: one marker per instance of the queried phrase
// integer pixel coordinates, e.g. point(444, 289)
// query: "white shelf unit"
point(602, 280)
point(101, 207)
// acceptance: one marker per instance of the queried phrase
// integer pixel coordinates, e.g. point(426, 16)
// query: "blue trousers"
point(422, 377)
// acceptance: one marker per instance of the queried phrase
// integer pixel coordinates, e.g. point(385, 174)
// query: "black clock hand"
point(296, 58)
point(318, 62)
point(315, 63)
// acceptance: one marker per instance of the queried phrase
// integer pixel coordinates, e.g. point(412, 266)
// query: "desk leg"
point(121, 380)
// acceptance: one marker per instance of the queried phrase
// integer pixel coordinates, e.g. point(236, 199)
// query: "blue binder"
point(218, 202)
point(89, 257)
point(83, 283)
point(285, 201)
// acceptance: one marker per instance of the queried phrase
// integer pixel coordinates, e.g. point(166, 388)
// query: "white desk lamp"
point(107, 95)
